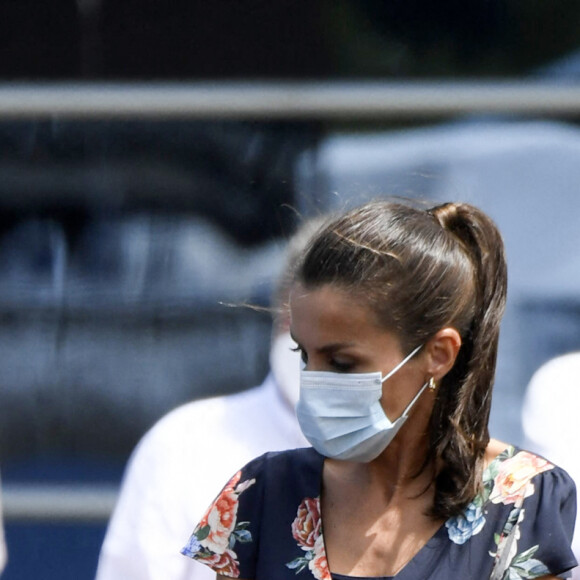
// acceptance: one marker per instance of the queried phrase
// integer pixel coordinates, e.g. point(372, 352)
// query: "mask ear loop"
point(407, 358)
point(408, 407)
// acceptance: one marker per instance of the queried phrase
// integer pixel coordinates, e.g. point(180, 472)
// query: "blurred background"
point(124, 240)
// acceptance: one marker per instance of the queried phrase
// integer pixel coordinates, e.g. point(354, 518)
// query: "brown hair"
point(297, 244)
point(420, 271)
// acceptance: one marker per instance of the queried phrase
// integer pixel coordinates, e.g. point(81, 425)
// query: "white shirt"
point(551, 420)
point(178, 468)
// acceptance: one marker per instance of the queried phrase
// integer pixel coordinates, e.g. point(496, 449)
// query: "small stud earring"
point(432, 384)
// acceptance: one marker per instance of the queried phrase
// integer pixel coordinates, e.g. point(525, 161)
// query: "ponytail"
point(459, 423)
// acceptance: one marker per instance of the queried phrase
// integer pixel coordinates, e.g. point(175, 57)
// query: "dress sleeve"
point(546, 525)
point(226, 537)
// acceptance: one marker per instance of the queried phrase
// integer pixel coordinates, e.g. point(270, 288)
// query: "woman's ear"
point(442, 351)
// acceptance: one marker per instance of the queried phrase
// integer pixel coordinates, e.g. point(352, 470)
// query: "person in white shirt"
point(550, 420)
point(176, 468)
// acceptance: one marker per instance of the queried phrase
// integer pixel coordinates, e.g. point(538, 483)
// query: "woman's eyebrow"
point(334, 346)
point(331, 347)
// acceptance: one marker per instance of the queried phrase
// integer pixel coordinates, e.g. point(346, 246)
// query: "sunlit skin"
point(374, 513)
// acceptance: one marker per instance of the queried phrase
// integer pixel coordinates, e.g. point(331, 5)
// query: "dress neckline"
point(428, 551)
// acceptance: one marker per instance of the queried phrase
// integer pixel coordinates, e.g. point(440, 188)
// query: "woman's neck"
point(375, 515)
point(402, 467)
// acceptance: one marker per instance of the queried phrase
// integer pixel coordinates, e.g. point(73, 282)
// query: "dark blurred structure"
point(40, 40)
point(239, 176)
point(221, 39)
point(119, 240)
point(287, 39)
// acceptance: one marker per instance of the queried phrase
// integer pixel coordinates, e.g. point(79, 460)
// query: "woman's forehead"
point(328, 295)
point(330, 307)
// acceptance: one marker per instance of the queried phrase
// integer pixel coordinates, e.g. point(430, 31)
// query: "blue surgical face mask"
point(341, 414)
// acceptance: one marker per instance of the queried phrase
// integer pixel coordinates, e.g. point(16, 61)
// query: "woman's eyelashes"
point(299, 349)
point(333, 364)
point(341, 366)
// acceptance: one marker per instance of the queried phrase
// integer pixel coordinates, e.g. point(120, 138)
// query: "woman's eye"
point(341, 366)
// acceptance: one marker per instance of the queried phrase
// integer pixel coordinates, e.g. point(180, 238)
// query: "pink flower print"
point(220, 519)
point(319, 564)
point(512, 480)
point(214, 538)
point(231, 484)
point(225, 564)
point(306, 525)
point(307, 531)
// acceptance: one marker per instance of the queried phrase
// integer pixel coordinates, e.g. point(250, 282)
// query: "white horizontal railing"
point(66, 503)
point(287, 100)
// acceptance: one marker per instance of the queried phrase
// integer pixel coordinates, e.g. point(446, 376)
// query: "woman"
point(396, 313)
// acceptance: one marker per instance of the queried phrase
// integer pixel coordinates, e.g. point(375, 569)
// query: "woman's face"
point(338, 332)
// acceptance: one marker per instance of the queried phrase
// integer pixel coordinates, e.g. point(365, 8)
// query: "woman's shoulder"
point(510, 456)
point(511, 473)
point(291, 462)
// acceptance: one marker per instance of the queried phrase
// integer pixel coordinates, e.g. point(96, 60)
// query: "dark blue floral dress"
point(266, 524)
